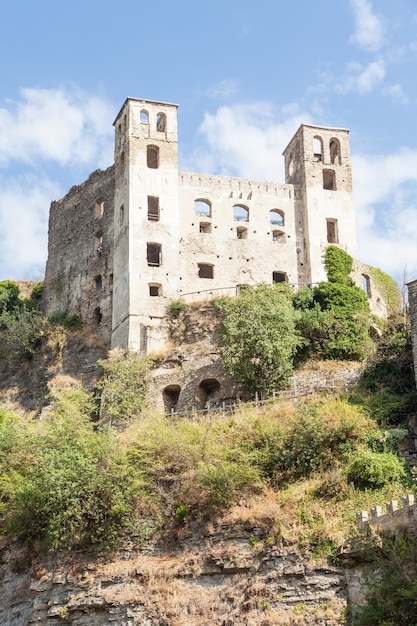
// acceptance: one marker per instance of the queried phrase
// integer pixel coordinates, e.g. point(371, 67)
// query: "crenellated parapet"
point(394, 518)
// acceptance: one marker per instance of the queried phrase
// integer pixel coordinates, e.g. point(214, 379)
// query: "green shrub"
point(226, 482)
point(64, 483)
point(338, 265)
point(21, 333)
point(73, 322)
point(9, 296)
point(123, 387)
point(373, 470)
point(391, 598)
point(175, 307)
point(57, 317)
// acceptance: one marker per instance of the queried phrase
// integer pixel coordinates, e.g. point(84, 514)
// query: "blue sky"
point(245, 75)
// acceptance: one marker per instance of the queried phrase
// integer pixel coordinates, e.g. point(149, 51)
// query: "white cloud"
point(369, 33)
point(64, 130)
point(362, 79)
point(386, 211)
point(247, 140)
point(224, 89)
point(57, 125)
point(24, 206)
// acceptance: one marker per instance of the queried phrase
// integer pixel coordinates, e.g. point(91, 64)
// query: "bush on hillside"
point(123, 387)
point(258, 337)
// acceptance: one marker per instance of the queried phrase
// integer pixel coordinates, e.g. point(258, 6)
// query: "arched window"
point(99, 207)
point(334, 147)
point(318, 148)
point(161, 122)
point(144, 117)
point(241, 232)
point(240, 213)
point(205, 270)
point(154, 254)
point(290, 170)
point(366, 285)
point(152, 157)
point(155, 289)
point(279, 236)
point(276, 217)
point(279, 277)
point(170, 396)
point(208, 391)
point(329, 180)
point(98, 281)
point(202, 207)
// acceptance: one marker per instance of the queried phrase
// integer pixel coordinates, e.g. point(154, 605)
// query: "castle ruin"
point(135, 237)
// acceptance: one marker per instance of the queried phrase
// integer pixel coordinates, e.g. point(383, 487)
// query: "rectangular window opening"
point(332, 231)
point(205, 270)
point(153, 209)
point(153, 254)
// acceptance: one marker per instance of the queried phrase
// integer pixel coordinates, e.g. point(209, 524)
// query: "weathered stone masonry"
point(133, 238)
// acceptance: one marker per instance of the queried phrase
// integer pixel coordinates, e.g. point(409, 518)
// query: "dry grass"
point(326, 366)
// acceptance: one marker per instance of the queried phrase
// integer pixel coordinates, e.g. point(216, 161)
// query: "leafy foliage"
point(387, 381)
point(20, 332)
point(258, 337)
point(388, 288)
point(123, 387)
point(373, 470)
point(63, 483)
point(9, 296)
point(334, 321)
point(34, 301)
point(66, 482)
point(392, 585)
point(338, 265)
point(175, 307)
point(70, 322)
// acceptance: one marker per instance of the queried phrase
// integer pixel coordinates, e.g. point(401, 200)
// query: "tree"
point(9, 296)
point(123, 387)
point(258, 337)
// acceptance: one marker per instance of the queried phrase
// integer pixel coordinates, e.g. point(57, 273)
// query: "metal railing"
point(233, 405)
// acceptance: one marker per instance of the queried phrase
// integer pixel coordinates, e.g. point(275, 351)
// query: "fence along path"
point(331, 385)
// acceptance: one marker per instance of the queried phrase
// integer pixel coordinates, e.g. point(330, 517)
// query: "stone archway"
point(208, 391)
point(170, 396)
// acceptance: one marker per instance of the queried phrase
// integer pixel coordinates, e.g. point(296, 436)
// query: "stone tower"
point(317, 163)
point(146, 220)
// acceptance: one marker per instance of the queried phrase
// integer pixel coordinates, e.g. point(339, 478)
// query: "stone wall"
point(79, 270)
point(395, 518)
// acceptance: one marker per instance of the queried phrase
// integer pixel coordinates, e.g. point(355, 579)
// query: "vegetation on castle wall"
point(175, 307)
point(387, 381)
point(388, 288)
point(334, 320)
point(258, 337)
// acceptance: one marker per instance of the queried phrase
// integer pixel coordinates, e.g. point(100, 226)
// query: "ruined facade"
point(141, 234)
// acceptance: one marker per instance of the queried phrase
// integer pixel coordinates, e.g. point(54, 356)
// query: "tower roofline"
point(316, 127)
point(130, 99)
